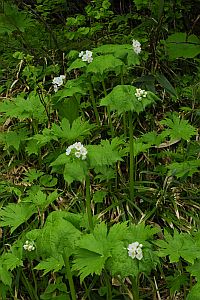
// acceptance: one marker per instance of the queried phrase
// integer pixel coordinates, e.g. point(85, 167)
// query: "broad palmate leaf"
point(105, 63)
point(50, 264)
point(95, 248)
point(122, 98)
point(106, 153)
point(57, 235)
point(179, 128)
point(177, 246)
point(72, 132)
point(186, 168)
point(123, 52)
point(13, 215)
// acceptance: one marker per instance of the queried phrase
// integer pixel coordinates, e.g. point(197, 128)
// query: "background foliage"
point(140, 181)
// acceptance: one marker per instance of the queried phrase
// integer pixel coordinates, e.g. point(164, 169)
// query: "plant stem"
point(29, 287)
point(69, 275)
point(135, 289)
point(94, 103)
point(109, 290)
point(88, 203)
point(124, 114)
point(131, 163)
point(108, 110)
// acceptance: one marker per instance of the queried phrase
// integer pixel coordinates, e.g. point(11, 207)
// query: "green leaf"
point(40, 199)
point(122, 98)
point(32, 147)
point(141, 3)
point(13, 138)
point(194, 269)
point(184, 169)
point(92, 252)
point(120, 263)
point(139, 147)
point(99, 196)
point(14, 20)
point(180, 45)
point(11, 261)
point(178, 246)
point(142, 233)
point(48, 180)
point(118, 232)
point(105, 63)
point(124, 52)
point(166, 84)
point(77, 64)
point(175, 282)
point(68, 108)
point(179, 128)
point(194, 292)
point(50, 264)
point(78, 129)
point(104, 154)
point(57, 287)
point(152, 138)
point(21, 108)
point(75, 170)
point(32, 175)
point(5, 275)
point(58, 233)
point(13, 215)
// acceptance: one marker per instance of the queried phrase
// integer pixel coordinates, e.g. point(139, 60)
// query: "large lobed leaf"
point(13, 215)
point(123, 52)
point(122, 98)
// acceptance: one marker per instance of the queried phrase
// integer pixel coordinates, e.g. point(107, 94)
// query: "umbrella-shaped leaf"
point(105, 63)
point(122, 98)
point(124, 52)
point(180, 45)
point(77, 64)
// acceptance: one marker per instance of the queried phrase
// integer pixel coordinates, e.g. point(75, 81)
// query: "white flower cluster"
point(29, 245)
point(140, 94)
point(135, 250)
point(79, 150)
point(136, 46)
point(87, 56)
point(57, 82)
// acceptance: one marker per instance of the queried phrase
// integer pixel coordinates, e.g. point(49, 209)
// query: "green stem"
point(135, 289)
point(88, 203)
point(124, 114)
point(131, 164)
point(34, 279)
point(109, 290)
point(124, 124)
point(69, 275)
point(108, 110)
point(94, 103)
point(29, 287)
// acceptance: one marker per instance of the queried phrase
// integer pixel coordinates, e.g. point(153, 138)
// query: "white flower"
point(136, 46)
point(135, 250)
point(29, 246)
point(78, 146)
point(55, 87)
point(57, 82)
point(80, 150)
point(83, 151)
point(140, 94)
point(87, 56)
point(139, 254)
point(81, 54)
point(77, 154)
